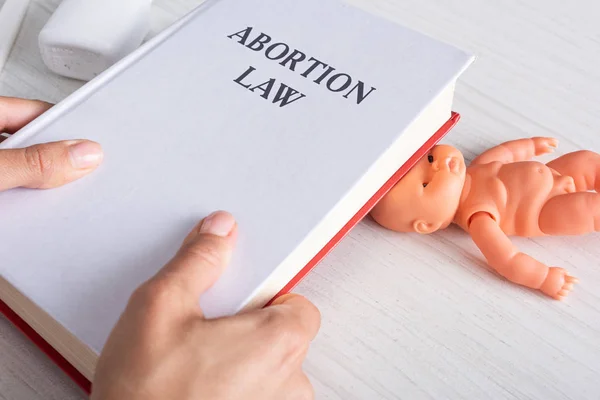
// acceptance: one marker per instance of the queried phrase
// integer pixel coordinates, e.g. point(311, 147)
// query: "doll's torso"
point(513, 194)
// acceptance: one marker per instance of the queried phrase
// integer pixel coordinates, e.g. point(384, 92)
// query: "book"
point(294, 115)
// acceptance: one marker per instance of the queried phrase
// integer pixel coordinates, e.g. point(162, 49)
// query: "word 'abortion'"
point(296, 61)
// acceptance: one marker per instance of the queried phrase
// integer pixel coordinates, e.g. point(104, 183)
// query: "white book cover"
point(290, 114)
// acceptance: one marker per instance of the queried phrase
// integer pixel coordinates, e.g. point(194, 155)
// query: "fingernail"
point(219, 223)
point(85, 155)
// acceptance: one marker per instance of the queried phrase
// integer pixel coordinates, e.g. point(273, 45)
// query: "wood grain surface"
point(411, 317)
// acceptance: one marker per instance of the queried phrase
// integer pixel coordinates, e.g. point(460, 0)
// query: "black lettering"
point(246, 33)
point(244, 75)
point(293, 59)
point(312, 67)
point(335, 82)
point(325, 74)
point(332, 80)
point(261, 40)
point(265, 88)
point(274, 46)
point(284, 98)
point(361, 92)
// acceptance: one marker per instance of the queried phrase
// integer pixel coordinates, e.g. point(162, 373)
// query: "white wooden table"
point(413, 317)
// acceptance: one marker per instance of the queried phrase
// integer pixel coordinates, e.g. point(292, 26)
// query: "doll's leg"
point(571, 214)
point(583, 166)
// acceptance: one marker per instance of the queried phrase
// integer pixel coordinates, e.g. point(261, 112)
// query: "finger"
point(48, 165)
point(300, 311)
point(16, 113)
point(203, 257)
point(571, 279)
point(298, 387)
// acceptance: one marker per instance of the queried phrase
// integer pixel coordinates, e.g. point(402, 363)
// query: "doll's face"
point(427, 197)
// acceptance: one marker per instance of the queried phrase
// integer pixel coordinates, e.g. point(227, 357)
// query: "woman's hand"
point(163, 347)
point(41, 166)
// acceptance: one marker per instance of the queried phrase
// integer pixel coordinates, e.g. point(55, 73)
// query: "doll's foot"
point(570, 186)
point(558, 283)
point(567, 183)
point(544, 145)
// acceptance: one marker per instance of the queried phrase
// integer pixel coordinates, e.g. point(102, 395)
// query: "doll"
point(502, 193)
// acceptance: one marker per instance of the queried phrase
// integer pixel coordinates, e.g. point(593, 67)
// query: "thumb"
point(48, 165)
point(203, 257)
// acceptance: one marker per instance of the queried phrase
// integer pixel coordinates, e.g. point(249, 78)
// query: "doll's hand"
point(544, 145)
point(558, 283)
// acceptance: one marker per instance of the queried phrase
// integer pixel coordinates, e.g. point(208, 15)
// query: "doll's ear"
point(424, 228)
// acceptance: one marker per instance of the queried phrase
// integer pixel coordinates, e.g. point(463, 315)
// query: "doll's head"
point(427, 197)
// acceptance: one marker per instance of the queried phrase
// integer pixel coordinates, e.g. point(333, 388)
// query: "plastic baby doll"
point(502, 193)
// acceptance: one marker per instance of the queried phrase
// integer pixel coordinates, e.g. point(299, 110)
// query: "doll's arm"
point(515, 266)
point(517, 150)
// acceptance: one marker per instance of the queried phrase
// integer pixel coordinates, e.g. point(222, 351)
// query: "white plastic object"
point(85, 37)
point(12, 13)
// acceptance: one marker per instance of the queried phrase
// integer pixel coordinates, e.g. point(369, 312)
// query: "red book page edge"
point(45, 347)
point(364, 211)
point(86, 385)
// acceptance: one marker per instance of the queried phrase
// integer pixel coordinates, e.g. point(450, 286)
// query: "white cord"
point(11, 17)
